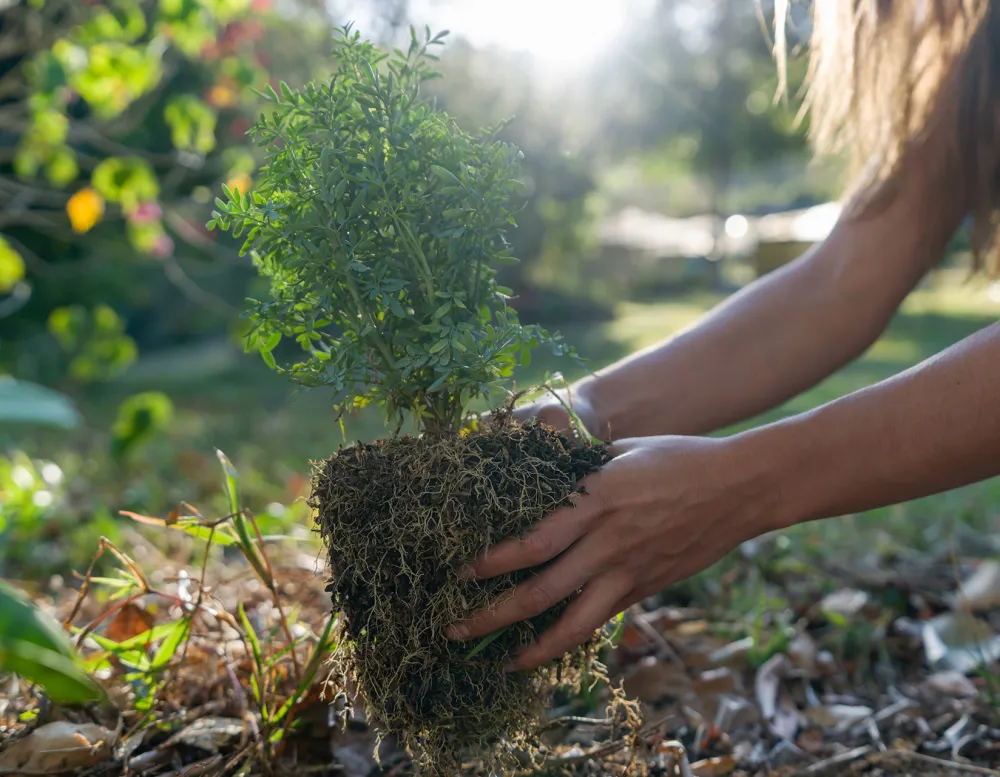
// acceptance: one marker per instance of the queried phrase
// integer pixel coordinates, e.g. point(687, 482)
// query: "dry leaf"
point(714, 767)
point(776, 707)
point(768, 682)
point(58, 747)
point(803, 653)
point(653, 680)
point(130, 621)
point(209, 734)
point(846, 602)
point(982, 590)
point(949, 683)
point(837, 716)
point(959, 642)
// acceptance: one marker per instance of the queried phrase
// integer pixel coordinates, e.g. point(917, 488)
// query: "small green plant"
point(380, 224)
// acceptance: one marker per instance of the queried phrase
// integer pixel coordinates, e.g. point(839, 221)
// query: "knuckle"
point(537, 598)
point(538, 547)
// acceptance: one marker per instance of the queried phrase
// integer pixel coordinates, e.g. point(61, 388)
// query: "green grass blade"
point(485, 643)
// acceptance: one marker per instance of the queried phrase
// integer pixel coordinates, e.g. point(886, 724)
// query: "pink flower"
point(163, 247)
point(146, 212)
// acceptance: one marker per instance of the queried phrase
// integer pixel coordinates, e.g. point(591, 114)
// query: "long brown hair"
point(878, 71)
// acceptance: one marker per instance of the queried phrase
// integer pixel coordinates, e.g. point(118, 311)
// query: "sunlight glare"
point(562, 35)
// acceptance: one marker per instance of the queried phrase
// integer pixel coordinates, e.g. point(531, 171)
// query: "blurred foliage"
point(35, 647)
point(119, 123)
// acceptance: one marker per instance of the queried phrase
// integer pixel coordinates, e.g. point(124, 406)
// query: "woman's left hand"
point(663, 509)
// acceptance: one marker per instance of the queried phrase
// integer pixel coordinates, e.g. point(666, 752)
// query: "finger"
point(533, 596)
point(553, 534)
point(622, 447)
point(594, 607)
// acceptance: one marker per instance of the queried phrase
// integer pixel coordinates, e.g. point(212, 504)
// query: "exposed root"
point(398, 517)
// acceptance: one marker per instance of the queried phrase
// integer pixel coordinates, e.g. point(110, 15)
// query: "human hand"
point(551, 410)
point(663, 509)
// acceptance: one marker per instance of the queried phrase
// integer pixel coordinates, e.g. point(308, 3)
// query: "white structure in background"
point(769, 241)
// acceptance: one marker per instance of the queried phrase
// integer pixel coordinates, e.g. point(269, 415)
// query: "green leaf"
point(29, 403)
point(230, 482)
point(445, 175)
point(33, 646)
point(141, 417)
point(252, 638)
point(174, 638)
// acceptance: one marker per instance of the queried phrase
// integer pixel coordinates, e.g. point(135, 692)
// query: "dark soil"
point(399, 517)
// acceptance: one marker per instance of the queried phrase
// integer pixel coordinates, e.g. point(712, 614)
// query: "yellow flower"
point(11, 267)
point(85, 208)
point(240, 181)
point(222, 95)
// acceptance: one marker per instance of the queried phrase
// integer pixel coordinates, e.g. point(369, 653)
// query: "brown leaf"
point(949, 684)
point(982, 590)
point(58, 747)
point(654, 680)
point(714, 767)
point(130, 621)
point(837, 716)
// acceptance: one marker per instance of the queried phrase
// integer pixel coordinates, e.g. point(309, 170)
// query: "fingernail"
point(457, 632)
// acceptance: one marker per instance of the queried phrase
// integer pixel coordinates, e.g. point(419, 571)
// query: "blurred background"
point(662, 175)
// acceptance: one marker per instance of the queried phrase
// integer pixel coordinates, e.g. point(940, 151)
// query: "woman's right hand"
point(552, 411)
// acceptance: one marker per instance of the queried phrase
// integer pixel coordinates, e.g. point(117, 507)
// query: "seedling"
point(380, 225)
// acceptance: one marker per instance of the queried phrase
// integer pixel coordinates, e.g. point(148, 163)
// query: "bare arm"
point(930, 429)
point(667, 507)
point(784, 333)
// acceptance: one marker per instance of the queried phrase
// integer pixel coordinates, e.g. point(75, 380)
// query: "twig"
point(569, 720)
point(664, 650)
point(942, 762)
point(839, 759)
point(601, 750)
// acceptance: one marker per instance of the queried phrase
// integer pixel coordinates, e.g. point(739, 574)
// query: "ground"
point(865, 645)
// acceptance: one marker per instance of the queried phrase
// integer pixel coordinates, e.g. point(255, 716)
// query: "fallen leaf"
point(837, 716)
point(714, 767)
point(811, 741)
point(654, 680)
point(982, 590)
point(846, 602)
point(960, 642)
point(732, 653)
point(209, 734)
point(768, 683)
point(691, 628)
point(949, 683)
point(803, 653)
point(130, 621)
point(58, 747)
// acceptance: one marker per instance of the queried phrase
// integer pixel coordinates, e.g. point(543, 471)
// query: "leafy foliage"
point(380, 225)
point(35, 647)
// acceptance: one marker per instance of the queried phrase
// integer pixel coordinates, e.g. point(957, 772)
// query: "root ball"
point(398, 517)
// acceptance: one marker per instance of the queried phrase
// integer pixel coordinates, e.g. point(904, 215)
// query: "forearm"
point(931, 429)
point(787, 332)
point(763, 346)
